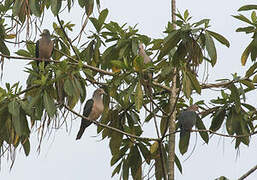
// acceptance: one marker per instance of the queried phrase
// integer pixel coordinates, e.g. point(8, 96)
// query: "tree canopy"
point(107, 56)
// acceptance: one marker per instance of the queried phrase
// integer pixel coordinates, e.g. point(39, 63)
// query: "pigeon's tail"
point(183, 132)
point(84, 124)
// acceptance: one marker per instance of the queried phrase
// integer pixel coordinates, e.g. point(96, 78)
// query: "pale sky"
point(64, 158)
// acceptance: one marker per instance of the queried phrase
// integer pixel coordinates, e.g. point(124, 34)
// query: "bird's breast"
point(97, 110)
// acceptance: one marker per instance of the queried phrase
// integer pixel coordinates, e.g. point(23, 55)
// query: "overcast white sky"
point(64, 158)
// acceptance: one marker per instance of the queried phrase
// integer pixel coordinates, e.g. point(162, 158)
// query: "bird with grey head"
point(44, 46)
point(187, 119)
point(93, 109)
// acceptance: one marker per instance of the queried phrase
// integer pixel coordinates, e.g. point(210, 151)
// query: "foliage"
point(110, 59)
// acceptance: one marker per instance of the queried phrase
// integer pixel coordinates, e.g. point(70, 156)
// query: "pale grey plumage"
point(44, 46)
point(92, 110)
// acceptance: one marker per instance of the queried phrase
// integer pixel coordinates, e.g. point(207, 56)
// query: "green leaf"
point(95, 23)
point(248, 7)
point(184, 142)
point(170, 42)
point(56, 6)
point(246, 53)
point(255, 79)
point(14, 109)
point(117, 169)
point(135, 162)
point(194, 82)
point(145, 152)
point(251, 70)
point(49, 105)
point(26, 146)
point(89, 7)
point(102, 17)
point(22, 52)
point(82, 3)
point(211, 49)
point(243, 18)
point(17, 7)
point(248, 29)
point(201, 126)
point(125, 169)
point(68, 87)
point(203, 21)
point(3, 48)
point(254, 17)
point(138, 97)
point(247, 83)
point(218, 119)
point(35, 7)
point(235, 96)
point(222, 178)
point(178, 164)
point(115, 142)
point(219, 38)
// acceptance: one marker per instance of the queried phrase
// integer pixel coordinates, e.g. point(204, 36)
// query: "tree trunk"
point(172, 102)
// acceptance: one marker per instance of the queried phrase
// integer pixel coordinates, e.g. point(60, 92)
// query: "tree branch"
point(50, 60)
point(248, 173)
point(111, 128)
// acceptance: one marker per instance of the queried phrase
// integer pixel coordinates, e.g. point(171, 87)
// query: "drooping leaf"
point(35, 7)
point(115, 142)
point(138, 97)
point(125, 169)
point(201, 126)
point(211, 49)
point(184, 142)
point(194, 82)
point(49, 105)
point(17, 7)
point(246, 53)
point(82, 3)
point(89, 7)
point(56, 6)
point(117, 169)
point(219, 38)
point(145, 152)
point(218, 119)
point(251, 70)
point(171, 41)
point(14, 109)
point(135, 162)
point(178, 164)
point(3, 48)
point(26, 146)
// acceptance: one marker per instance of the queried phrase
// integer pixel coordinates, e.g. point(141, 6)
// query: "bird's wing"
point(85, 123)
point(88, 107)
point(37, 49)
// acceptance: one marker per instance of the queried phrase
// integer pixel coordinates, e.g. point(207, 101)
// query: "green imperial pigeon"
point(92, 110)
point(44, 46)
point(187, 119)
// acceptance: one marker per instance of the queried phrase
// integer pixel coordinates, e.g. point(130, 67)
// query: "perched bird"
point(92, 110)
point(149, 75)
point(44, 46)
point(187, 119)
